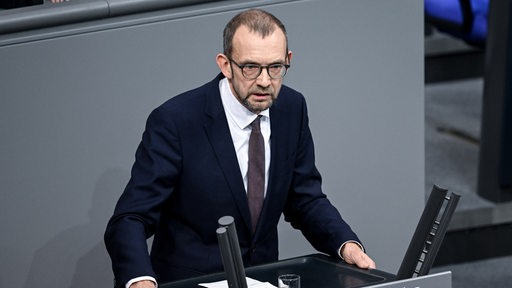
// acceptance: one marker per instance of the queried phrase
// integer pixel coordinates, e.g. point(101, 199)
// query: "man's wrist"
point(340, 250)
point(142, 278)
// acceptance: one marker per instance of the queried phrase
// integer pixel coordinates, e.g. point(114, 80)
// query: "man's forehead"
point(245, 30)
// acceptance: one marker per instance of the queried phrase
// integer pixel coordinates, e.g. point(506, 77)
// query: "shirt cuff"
point(141, 279)
point(349, 241)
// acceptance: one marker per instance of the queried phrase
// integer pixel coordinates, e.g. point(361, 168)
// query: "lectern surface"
point(438, 280)
point(316, 271)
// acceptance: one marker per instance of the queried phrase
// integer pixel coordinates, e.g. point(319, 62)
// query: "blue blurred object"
point(465, 19)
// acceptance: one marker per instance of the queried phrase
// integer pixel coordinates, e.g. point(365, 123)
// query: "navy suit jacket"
point(186, 176)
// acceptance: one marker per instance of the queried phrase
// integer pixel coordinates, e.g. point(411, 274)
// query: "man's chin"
point(258, 106)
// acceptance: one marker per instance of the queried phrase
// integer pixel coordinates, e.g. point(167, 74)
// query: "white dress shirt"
point(239, 120)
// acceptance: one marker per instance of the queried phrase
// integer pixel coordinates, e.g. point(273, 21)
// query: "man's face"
point(249, 48)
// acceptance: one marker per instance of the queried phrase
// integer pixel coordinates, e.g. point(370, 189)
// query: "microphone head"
point(226, 221)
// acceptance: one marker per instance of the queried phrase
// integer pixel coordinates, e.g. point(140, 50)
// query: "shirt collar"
point(240, 115)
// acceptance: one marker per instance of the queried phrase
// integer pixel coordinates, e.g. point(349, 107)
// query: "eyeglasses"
point(253, 71)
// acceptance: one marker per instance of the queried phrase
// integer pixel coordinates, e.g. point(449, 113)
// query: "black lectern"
point(316, 271)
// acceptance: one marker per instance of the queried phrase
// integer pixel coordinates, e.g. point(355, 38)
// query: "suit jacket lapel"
point(217, 129)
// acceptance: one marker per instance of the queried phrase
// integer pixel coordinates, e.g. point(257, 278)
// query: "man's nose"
point(264, 78)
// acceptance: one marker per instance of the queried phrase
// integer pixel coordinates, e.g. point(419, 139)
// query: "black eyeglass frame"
point(267, 67)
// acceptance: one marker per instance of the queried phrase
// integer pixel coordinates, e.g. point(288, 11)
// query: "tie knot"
point(255, 125)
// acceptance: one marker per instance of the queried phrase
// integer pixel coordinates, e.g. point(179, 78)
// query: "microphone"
point(230, 253)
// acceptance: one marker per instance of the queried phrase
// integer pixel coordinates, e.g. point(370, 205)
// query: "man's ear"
point(224, 65)
point(290, 54)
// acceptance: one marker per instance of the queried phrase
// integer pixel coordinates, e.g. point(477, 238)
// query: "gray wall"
point(74, 100)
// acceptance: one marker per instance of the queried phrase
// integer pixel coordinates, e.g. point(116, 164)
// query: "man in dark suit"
point(193, 166)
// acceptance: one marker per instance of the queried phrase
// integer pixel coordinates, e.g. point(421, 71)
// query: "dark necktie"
point(256, 172)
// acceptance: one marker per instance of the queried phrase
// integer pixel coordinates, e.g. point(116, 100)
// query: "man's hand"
point(143, 284)
point(352, 254)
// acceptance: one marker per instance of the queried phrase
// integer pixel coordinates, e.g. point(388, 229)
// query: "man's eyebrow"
point(250, 62)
